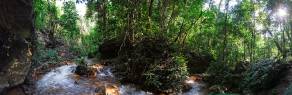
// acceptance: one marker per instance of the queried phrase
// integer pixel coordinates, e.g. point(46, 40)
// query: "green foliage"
point(46, 12)
point(69, 21)
point(181, 65)
point(49, 55)
point(52, 54)
point(157, 77)
point(90, 8)
point(151, 35)
point(40, 8)
point(152, 65)
point(90, 43)
point(197, 62)
point(178, 72)
point(79, 61)
point(219, 74)
point(230, 35)
point(263, 75)
point(42, 55)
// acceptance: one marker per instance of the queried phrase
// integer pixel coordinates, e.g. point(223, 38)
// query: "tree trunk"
point(225, 34)
point(150, 15)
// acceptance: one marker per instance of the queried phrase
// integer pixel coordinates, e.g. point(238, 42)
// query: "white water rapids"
point(63, 81)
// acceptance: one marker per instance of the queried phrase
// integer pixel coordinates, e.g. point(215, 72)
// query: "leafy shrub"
point(169, 77)
point(263, 75)
point(52, 54)
point(218, 74)
point(222, 76)
point(90, 43)
point(43, 54)
point(87, 45)
point(197, 63)
point(153, 65)
point(80, 61)
point(289, 59)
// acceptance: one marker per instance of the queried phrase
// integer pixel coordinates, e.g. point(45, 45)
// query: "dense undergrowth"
point(162, 68)
point(222, 46)
point(259, 76)
point(263, 74)
point(151, 65)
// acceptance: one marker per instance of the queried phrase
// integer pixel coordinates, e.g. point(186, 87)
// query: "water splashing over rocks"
point(63, 81)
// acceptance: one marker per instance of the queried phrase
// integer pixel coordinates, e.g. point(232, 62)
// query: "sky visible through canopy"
point(281, 13)
point(80, 7)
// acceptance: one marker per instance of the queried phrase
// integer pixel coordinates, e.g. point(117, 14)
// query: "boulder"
point(82, 70)
point(16, 38)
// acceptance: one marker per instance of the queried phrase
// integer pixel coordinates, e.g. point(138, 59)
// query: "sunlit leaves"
point(69, 20)
point(45, 12)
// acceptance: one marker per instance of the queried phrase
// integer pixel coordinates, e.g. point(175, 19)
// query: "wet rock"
point(98, 90)
point(88, 71)
point(90, 61)
point(89, 67)
point(82, 70)
point(16, 39)
point(112, 90)
point(16, 60)
point(15, 72)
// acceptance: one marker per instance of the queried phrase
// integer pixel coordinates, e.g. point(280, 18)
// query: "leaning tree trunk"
point(16, 33)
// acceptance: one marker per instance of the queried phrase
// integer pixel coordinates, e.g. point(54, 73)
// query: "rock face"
point(16, 36)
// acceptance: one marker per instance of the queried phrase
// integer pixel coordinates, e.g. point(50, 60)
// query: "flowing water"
point(63, 81)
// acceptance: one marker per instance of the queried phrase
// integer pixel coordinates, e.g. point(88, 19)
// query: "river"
point(63, 81)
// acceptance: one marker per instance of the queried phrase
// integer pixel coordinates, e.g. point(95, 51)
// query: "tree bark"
point(225, 30)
